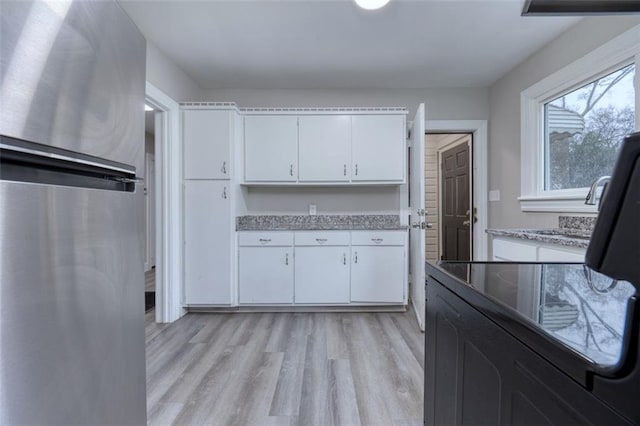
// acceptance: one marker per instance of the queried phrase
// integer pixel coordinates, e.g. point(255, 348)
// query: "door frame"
point(149, 258)
point(168, 197)
point(439, 151)
point(478, 128)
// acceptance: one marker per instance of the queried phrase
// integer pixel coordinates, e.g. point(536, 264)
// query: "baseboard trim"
point(306, 309)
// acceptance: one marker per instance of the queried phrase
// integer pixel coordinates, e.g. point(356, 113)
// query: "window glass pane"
point(584, 129)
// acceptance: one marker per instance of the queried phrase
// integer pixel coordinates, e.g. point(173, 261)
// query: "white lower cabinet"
point(512, 250)
point(207, 242)
point(322, 267)
point(553, 254)
point(322, 275)
point(377, 273)
point(265, 275)
point(515, 250)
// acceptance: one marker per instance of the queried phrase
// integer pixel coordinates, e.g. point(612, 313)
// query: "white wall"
point(341, 200)
point(504, 124)
point(441, 104)
point(165, 75)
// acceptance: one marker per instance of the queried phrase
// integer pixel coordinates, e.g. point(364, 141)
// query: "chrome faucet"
point(592, 195)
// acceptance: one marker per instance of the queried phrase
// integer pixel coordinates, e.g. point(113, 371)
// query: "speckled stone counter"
point(318, 222)
point(572, 231)
point(585, 223)
point(562, 236)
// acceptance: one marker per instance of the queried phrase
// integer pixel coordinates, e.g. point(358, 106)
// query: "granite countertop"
point(318, 222)
point(573, 231)
point(559, 236)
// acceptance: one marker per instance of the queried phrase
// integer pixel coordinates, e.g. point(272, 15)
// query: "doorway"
point(168, 205)
point(149, 209)
point(479, 155)
point(449, 189)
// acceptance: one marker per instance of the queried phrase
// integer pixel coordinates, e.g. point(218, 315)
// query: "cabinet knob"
point(345, 170)
point(291, 169)
point(286, 259)
point(355, 257)
point(224, 193)
point(344, 258)
point(224, 167)
point(356, 170)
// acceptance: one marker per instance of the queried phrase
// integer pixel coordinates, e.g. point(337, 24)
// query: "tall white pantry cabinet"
point(208, 135)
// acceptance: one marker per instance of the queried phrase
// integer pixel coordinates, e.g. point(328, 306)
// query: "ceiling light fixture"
point(371, 4)
point(148, 108)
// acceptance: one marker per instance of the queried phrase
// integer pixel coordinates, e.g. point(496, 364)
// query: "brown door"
point(456, 218)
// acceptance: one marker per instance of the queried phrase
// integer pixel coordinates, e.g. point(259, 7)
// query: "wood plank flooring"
point(285, 369)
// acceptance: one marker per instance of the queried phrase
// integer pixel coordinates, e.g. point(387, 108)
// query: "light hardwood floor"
point(285, 369)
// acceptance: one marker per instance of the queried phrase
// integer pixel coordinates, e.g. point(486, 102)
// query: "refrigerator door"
point(71, 305)
point(72, 75)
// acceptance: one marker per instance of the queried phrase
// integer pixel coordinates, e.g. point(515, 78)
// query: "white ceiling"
point(318, 44)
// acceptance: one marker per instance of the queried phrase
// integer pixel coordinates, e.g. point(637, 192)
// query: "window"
point(584, 129)
point(573, 123)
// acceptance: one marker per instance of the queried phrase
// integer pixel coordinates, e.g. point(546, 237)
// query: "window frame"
point(615, 54)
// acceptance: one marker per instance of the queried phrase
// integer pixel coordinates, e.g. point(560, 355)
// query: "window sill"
point(555, 204)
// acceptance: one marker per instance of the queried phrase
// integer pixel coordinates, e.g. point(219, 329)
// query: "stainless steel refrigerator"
point(72, 76)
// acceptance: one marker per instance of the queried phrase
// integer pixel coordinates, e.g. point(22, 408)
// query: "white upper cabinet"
point(207, 138)
point(271, 148)
point(378, 148)
point(325, 148)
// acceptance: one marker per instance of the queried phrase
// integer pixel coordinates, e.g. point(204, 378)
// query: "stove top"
point(582, 309)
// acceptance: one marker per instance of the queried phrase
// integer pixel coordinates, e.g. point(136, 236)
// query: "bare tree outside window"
point(585, 127)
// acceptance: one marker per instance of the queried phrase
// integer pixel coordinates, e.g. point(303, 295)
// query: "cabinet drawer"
point(378, 238)
point(322, 238)
point(274, 238)
point(507, 249)
point(549, 254)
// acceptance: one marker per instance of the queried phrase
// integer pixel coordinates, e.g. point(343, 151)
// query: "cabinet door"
point(377, 274)
point(513, 251)
point(266, 275)
point(322, 275)
point(325, 148)
point(206, 136)
point(271, 148)
point(553, 254)
point(207, 229)
point(378, 148)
